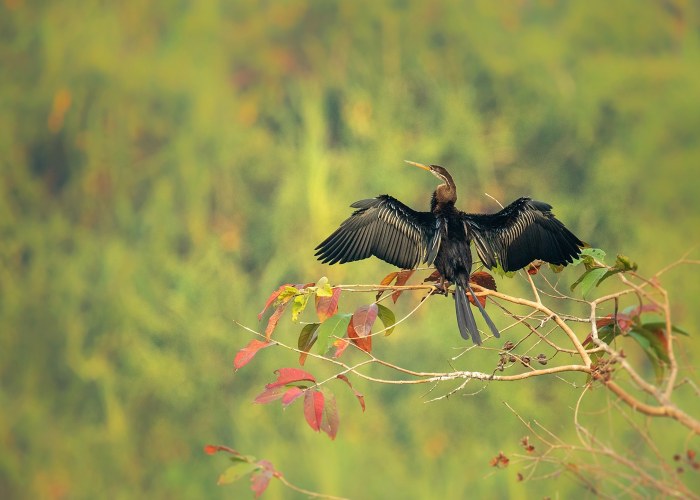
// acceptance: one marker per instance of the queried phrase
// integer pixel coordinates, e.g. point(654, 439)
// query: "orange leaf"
point(210, 449)
point(401, 280)
point(388, 278)
point(340, 346)
point(246, 354)
point(274, 319)
point(386, 281)
point(327, 306)
point(273, 296)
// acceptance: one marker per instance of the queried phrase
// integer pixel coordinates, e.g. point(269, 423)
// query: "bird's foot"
point(441, 288)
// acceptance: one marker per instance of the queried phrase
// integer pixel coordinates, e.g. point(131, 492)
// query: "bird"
point(522, 232)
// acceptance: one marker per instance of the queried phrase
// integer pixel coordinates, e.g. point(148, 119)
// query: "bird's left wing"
point(523, 231)
point(386, 228)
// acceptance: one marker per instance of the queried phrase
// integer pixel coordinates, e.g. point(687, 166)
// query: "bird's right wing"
point(386, 228)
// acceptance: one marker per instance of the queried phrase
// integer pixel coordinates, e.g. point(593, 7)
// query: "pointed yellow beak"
point(419, 165)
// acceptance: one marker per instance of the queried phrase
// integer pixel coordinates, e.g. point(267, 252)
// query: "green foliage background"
point(165, 165)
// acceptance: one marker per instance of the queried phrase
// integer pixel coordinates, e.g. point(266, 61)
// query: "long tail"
point(465, 318)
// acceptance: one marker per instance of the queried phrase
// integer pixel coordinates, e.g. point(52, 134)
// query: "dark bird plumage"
point(524, 231)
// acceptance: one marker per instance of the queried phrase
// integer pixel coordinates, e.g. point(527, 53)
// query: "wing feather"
point(386, 228)
point(524, 231)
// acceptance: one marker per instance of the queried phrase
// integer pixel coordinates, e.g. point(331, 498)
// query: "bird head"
point(438, 171)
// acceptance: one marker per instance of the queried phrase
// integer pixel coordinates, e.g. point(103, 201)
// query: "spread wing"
point(386, 228)
point(523, 231)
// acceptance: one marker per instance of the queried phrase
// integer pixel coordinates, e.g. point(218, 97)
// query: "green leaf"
point(299, 305)
point(608, 333)
point(498, 269)
point(307, 338)
point(235, 472)
point(655, 339)
point(595, 253)
point(660, 325)
point(624, 263)
point(387, 317)
point(650, 351)
point(335, 326)
point(286, 294)
point(610, 272)
point(590, 257)
point(589, 280)
point(556, 268)
point(641, 339)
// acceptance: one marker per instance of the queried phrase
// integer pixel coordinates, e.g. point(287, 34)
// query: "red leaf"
point(607, 320)
point(313, 408)
point(272, 322)
point(269, 395)
point(533, 269)
point(484, 280)
point(273, 296)
point(247, 353)
point(261, 479)
point(359, 396)
point(645, 308)
point(290, 375)
point(291, 395)
point(480, 298)
point(327, 306)
point(401, 280)
point(435, 276)
point(624, 322)
point(330, 420)
point(363, 319)
point(360, 326)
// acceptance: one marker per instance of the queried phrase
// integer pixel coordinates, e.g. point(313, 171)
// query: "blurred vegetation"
point(165, 166)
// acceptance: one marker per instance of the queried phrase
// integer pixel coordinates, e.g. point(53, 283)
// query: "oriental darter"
point(524, 231)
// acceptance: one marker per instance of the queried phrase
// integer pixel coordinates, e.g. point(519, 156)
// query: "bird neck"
point(445, 194)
